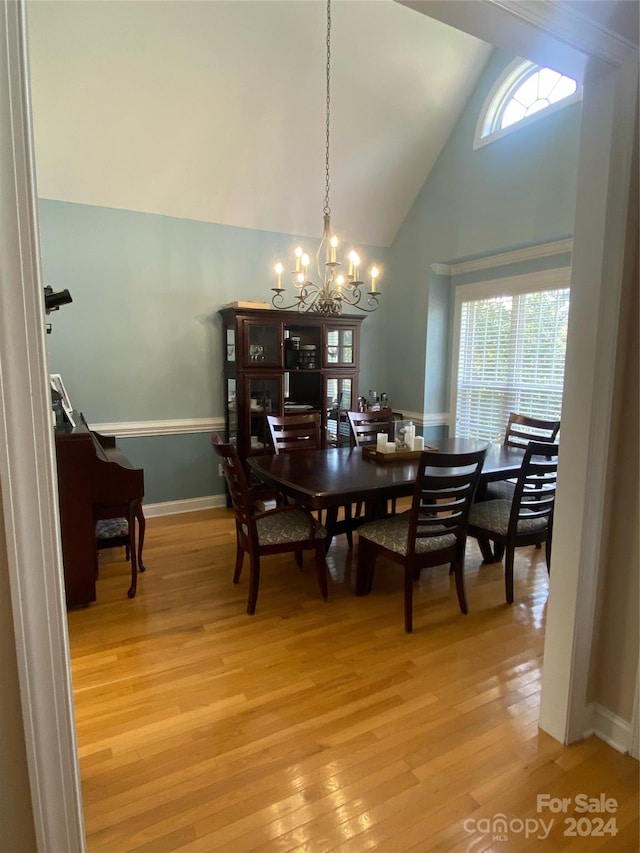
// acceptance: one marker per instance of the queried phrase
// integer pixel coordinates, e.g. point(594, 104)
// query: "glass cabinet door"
point(263, 343)
point(340, 346)
point(339, 397)
point(265, 395)
point(232, 412)
point(231, 344)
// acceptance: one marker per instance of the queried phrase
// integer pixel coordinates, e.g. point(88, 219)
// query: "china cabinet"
point(282, 362)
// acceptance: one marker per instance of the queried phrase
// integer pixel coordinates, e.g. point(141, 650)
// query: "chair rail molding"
point(139, 429)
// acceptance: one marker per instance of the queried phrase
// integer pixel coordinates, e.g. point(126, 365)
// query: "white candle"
point(381, 441)
point(354, 262)
point(418, 443)
point(278, 268)
point(409, 435)
point(391, 447)
point(375, 272)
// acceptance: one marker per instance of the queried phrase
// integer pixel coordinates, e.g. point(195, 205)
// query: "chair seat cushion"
point(392, 534)
point(112, 528)
point(493, 516)
point(282, 527)
point(501, 490)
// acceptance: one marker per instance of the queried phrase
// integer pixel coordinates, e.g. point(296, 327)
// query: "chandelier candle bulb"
point(334, 247)
point(298, 258)
point(375, 272)
point(278, 268)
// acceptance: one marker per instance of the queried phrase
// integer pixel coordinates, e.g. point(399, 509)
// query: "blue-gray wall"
point(142, 340)
point(519, 190)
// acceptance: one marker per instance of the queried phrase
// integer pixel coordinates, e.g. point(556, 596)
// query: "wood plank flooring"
point(316, 726)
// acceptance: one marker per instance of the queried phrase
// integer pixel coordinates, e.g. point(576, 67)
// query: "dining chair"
point(280, 530)
point(365, 427)
point(290, 433)
point(526, 519)
point(295, 432)
point(520, 430)
point(432, 533)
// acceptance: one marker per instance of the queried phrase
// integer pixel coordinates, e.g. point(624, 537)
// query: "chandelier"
point(337, 288)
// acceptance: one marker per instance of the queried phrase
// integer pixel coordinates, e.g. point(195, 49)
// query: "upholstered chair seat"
point(393, 534)
point(292, 526)
point(494, 516)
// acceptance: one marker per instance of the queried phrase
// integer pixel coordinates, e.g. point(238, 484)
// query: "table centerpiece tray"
point(398, 456)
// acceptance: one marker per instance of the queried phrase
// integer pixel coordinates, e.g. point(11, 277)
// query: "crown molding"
point(516, 256)
point(571, 27)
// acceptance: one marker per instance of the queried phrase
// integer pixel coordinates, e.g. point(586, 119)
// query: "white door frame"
point(27, 473)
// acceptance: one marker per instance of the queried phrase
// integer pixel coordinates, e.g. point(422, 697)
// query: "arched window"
point(519, 96)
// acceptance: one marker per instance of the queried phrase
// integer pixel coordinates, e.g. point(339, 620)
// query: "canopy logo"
point(499, 827)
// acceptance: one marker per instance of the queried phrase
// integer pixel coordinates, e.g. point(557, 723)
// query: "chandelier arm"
point(278, 299)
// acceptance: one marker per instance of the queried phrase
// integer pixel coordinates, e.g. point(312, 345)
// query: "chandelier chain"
point(327, 208)
point(336, 289)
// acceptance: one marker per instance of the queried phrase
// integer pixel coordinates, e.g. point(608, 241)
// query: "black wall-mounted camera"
point(52, 301)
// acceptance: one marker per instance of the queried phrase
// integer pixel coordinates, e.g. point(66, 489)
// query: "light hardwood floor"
point(316, 726)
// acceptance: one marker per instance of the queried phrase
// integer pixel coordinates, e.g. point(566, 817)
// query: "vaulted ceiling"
point(215, 110)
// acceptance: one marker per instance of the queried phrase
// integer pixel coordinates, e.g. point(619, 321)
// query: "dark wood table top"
point(339, 475)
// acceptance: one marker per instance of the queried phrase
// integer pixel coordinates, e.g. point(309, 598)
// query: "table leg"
point(485, 550)
point(330, 523)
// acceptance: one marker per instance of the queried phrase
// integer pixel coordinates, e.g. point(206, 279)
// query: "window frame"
point(513, 75)
point(535, 282)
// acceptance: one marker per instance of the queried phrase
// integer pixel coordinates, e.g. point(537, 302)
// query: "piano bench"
point(113, 532)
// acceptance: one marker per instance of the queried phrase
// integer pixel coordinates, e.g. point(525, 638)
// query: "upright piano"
point(95, 481)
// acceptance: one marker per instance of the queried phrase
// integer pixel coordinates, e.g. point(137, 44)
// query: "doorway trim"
point(27, 472)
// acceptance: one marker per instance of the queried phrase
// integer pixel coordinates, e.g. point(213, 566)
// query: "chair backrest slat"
point(365, 426)
point(521, 429)
point(294, 432)
point(444, 490)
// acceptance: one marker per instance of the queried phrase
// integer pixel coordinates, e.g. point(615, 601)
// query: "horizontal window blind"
point(511, 359)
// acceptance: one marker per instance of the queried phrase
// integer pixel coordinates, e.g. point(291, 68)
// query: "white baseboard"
point(609, 727)
point(187, 505)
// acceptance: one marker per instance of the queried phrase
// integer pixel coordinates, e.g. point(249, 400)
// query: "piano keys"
point(95, 481)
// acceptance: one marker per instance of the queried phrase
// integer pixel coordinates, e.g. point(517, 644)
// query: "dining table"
point(330, 478)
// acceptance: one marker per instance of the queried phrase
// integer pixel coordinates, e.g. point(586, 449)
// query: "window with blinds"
point(511, 359)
